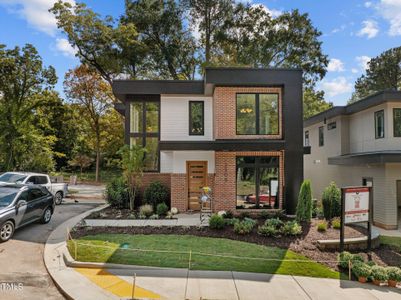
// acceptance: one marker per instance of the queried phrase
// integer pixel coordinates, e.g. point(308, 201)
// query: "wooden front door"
point(197, 178)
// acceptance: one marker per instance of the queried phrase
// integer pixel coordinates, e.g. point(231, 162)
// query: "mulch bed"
point(110, 213)
point(304, 244)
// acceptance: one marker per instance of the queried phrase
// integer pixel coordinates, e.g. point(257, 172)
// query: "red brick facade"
point(225, 180)
point(224, 110)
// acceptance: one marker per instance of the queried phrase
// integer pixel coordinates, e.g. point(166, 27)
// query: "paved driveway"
point(21, 258)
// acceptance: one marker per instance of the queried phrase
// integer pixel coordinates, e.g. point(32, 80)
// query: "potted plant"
point(379, 274)
point(394, 276)
point(362, 271)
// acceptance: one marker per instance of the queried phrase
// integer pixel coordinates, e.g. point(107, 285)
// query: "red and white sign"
point(356, 204)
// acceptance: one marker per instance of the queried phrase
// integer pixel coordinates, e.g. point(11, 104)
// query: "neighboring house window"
point(397, 122)
point(321, 136)
point(196, 118)
point(144, 130)
point(257, 114)
point(307, 138)
point(332, 125)
point(257, 182)
point(379, 124)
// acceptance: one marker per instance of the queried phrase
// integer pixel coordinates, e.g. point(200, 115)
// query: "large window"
point(321, 136)
point(397, 122)
point(257, 114)
point(379, 124)
point(257, 182)
point(196, 118)
point(144, 131)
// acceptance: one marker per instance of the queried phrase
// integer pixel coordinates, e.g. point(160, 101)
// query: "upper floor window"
point(397, 122)
point(332, 125)
point(144, 131)
point(307, 143)
point(196, 118)
point(321, 136)
point(379, 124)
point(257, 114)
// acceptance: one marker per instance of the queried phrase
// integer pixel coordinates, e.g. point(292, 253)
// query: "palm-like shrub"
point(304, 206)
point(331, 200)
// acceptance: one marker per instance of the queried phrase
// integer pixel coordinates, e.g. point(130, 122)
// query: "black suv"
point(21, 205)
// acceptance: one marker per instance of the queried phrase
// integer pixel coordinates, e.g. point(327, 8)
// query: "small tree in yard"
point(331, 201)
point(304, 206)
point(132, 165)
point(82, 161)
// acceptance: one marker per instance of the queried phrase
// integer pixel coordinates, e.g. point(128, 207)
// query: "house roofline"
point(365, 103)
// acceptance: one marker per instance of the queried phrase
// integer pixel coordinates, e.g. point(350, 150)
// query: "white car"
point(59, 190)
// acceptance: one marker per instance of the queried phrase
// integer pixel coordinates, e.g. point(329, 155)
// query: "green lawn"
point(391, 241)
point(113, 253)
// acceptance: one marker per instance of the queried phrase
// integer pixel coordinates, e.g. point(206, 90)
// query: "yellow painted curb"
point(115, 284)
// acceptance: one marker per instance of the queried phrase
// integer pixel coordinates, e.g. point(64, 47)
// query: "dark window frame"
point(258, 165)
point(306, 133)
point(332, 125)
point(257, 111)
point(190, 117)
point(321, 141)
point(144, 134)
point(376, 131)
point(394, 110)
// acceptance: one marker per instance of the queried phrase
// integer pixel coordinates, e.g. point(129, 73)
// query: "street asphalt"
point(22, 271)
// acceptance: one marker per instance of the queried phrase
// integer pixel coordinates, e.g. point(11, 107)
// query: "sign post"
point(356, 207)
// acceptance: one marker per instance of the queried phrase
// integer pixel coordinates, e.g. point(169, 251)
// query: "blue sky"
point(353, 31)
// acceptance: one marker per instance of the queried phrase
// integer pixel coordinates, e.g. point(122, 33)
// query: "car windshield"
point(7, 195)
point(12, 177)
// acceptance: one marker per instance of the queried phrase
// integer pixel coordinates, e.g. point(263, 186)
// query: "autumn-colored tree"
point(93, 94)
point(82, 161)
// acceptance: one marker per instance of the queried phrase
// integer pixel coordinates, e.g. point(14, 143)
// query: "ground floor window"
point(257, 182)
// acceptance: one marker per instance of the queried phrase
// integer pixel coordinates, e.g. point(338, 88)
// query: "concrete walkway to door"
point(181, 220)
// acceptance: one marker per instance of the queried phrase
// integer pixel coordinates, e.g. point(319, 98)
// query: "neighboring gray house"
point(359, 144)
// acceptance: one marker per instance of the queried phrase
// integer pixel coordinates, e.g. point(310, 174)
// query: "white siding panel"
point(174, 120)
point(181, 157)
point(166, 161)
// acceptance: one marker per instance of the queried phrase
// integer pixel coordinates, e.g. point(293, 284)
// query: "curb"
point(53, 258)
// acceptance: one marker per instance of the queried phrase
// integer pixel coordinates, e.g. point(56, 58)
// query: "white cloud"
point(390, 10)
point(370, 29)
point(354, 70)
point(337, 86)
point(65, 48)
point(368, 4)
point(35, 12)
point(363, 62)
point(335, 65)
point(274, 13)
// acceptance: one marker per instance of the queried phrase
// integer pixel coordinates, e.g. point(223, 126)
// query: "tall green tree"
point(170, 46)
point(86, 88)
point(383, 73)
point(25, 87)
point(304, 205)
point(208, 16)
point(314, 103)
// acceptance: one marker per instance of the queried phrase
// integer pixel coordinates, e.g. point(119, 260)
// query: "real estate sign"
point(356, 202)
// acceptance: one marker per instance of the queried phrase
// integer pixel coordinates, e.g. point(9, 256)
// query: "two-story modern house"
point(238, 131)
point(359, 144)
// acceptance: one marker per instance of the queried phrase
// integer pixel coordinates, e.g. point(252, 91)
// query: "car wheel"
point(47, 215)
point(58, 198)
point(6, 231)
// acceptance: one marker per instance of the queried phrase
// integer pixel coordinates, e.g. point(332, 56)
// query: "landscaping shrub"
point(379, 273)
point(304, 206)
point(245, 226)
point(228, 214)
point(162, 209)
point(360, 269)
point(146, 210)
point(232, 221)
point(216, 222)
point(371, 263)
point(244, 215)
point(276, 223)
point(344, 258)
point(322, 226)
point(356, 259)
point(336, 223)
point(268, 230)
point(156, 193)
point(117, 193)
point(331, 201)
point(154, 217)
point(394, 273)
point(291, 228)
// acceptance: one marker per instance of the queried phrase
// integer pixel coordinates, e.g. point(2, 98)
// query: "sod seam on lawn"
point(216, 254)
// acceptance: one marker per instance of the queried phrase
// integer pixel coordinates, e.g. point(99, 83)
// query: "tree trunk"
point(97, 154)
